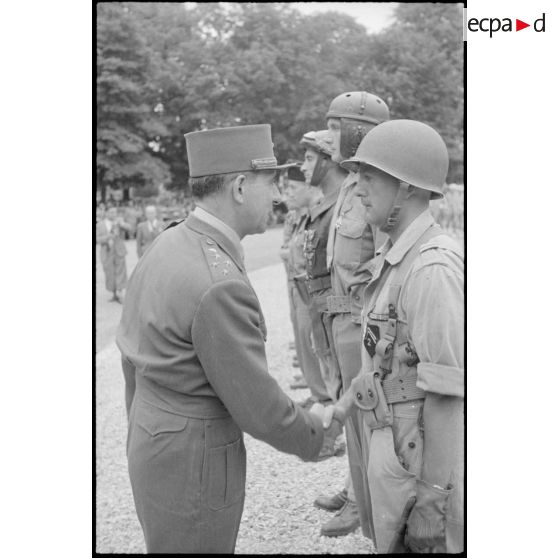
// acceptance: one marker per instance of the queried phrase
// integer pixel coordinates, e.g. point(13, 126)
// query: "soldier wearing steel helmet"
point(351, 244)
point(409, 393)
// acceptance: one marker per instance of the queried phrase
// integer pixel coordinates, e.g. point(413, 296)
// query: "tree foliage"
point(164, 70)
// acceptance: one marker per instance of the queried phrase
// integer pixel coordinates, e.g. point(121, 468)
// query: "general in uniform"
point(192, 338)
point(410, 390)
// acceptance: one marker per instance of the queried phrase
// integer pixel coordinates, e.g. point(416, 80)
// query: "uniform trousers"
point(292, 314)
point(188, 478)
point(322, 349)
point(114, 266)
point(345, 340)
point(309, 363)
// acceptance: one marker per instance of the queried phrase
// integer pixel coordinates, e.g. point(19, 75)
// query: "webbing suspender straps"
point(386, 344)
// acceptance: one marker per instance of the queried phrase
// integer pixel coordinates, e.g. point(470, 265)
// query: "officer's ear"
point(238, 187)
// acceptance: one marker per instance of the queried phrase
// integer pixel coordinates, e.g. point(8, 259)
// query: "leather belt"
point(202, 407)
point(339, 304)
point(398, 390)
point(318, 284)
point(319, 303)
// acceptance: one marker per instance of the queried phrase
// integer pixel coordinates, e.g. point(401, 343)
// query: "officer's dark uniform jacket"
point(317, 279)
point(315, 249)
point(192, 334)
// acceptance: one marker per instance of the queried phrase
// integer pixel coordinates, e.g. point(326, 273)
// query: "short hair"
point(204, 186)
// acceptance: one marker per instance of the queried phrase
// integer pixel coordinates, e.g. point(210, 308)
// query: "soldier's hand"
point(426, 524)
point(319, 410)
point(326, 414)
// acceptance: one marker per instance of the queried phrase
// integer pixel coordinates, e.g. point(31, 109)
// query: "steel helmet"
point(322, 143)
point(410, 151)
point(358, 113)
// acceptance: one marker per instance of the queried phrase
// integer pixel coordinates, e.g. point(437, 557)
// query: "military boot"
point(345, 521)
point(331, 503)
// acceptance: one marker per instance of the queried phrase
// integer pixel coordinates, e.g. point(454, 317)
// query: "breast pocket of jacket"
point(225, 475)
point(348, 242)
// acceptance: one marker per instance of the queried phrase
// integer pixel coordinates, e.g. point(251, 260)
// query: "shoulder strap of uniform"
point(173, 224)
point(408, 259)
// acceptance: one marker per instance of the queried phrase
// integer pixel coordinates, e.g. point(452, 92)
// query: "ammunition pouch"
point(370, 398)
point(374, 396)
point(318, 284)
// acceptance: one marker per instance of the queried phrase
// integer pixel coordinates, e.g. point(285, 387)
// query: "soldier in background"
point(110, 233)
point(300, 197)
point(409, 392)
point(351, 245)
point(328, 176)
point(148, 230)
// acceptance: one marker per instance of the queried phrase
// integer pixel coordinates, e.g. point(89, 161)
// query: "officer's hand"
point(426, 525)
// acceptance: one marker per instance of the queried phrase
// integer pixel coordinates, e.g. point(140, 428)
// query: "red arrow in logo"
point(519, 25)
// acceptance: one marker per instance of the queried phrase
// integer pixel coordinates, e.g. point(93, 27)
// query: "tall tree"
point(127, 126)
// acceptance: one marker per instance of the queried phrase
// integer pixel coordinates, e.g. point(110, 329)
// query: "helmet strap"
point(320, 170)
point(393, 217)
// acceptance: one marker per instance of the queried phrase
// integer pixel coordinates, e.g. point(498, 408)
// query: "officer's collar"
point(409, 237)
point(229, 243)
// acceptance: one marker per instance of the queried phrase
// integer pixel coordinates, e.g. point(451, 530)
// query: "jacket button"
point(411, 445)
point(357, 297)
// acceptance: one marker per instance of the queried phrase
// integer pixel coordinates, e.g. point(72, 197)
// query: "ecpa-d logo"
point(493, 25)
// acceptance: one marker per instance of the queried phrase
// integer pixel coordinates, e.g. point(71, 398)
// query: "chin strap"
point(393, 216)
point(320, 170)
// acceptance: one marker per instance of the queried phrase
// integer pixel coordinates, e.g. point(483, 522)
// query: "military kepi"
point(235, 149)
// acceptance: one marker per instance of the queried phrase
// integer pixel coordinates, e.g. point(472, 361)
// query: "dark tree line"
point(164, 70)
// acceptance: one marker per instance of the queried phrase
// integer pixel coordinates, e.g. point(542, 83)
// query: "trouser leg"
point(294, 321)
point(322, 350)
point(309, 362)
point(188, 484)
point(346, 337)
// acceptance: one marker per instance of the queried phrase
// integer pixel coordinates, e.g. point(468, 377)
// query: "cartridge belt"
point(339, 304)
point(318, 283)
point(319, 303)
point(398, 390)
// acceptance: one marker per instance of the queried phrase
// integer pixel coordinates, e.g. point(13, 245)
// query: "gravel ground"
point(278, 515)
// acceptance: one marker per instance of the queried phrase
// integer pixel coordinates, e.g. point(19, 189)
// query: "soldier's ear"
point(238, 186)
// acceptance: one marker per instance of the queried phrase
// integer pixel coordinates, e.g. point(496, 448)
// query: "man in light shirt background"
point(148, 230)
